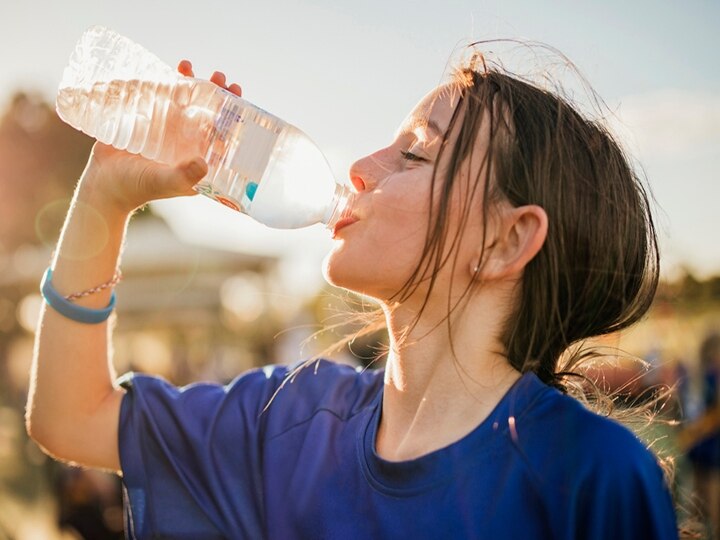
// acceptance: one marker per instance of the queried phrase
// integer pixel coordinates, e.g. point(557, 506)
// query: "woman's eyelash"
point(411, 157)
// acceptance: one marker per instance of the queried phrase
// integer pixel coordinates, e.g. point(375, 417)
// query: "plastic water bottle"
point(124, 96)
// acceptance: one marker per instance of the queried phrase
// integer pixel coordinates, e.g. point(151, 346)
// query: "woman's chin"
point(326, 273)
point(343, 274)
point(333, 272)
point(362, 285)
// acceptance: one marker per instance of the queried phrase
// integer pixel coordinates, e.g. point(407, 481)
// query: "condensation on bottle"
point(121, 94)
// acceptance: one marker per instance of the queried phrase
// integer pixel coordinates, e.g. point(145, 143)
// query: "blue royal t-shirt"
point(209, 461)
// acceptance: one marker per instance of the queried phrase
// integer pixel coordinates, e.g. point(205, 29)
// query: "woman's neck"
point(438, 390)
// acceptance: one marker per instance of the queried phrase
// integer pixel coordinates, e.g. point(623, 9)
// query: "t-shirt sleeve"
point(191, 457)
point(625, 497)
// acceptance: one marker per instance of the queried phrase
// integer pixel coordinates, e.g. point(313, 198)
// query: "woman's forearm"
point(72, 375)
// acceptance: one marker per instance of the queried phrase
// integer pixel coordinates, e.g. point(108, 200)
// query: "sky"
point(347, 73)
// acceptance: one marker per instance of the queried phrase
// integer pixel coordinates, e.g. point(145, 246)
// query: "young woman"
point(499, 228)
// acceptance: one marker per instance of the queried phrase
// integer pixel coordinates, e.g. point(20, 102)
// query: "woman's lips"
point(343, 222)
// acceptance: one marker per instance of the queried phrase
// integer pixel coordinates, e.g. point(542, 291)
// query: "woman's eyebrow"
point(418, 123)
point(431, 124)
point(426, 123)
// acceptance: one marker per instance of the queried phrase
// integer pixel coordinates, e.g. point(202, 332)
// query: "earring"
point(475, 269)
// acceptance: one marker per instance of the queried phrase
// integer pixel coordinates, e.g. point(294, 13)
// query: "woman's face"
point(376, 254)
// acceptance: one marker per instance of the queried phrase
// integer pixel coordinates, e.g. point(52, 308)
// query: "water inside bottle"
point(298, 177)
point(271, 171)
point(143, 117)
point(258, 164)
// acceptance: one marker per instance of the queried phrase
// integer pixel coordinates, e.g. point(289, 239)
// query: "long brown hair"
point(598, 269)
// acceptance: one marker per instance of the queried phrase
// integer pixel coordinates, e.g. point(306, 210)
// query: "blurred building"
point(183, 311)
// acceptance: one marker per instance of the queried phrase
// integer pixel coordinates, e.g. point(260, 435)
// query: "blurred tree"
point(688, 291)
point(692, 289)
point(41, 159)
point(714, 288)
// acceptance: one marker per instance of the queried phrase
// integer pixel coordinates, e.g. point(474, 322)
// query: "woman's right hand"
point(120, 181)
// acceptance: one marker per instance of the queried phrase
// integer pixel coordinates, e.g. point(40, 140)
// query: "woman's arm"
point(73, 406)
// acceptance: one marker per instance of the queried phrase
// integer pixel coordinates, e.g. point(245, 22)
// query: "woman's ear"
point(519, 234)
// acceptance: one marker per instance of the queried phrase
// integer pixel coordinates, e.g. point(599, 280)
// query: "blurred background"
point(208, 294)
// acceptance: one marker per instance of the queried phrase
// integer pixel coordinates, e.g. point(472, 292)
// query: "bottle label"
point(229, 116)
point(254, 143)
point(224, 125)
point(242, 143)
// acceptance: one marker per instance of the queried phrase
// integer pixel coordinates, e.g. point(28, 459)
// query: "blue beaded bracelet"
point(72, 311)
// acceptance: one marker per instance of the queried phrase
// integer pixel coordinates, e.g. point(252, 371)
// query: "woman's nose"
point(366, 172)
point(357, 180)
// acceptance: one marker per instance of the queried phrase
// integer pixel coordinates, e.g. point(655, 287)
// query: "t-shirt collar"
point(440, 466)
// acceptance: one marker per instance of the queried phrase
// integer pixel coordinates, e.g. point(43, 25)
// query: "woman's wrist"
point(91, 192)
point(89, 247)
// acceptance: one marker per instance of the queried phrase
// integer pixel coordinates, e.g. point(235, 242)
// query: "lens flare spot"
point(49, 220)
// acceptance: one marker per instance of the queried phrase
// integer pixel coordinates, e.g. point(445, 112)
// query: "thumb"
point(191, 172)
point(162, 181)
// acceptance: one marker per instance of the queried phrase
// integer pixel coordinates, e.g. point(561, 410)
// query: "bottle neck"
point(339, 207)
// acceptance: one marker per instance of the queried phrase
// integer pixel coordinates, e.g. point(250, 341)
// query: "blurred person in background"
point(497, 229)
point(89, 503)
point(701, 434)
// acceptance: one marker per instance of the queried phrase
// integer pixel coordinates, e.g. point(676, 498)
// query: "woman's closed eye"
point(409, 156)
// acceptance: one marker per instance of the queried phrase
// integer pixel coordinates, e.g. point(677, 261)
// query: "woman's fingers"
point(218, 77)
point(185, 68)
